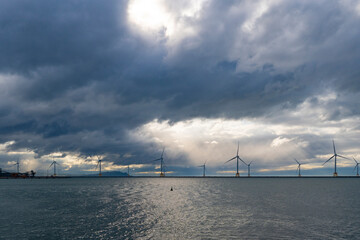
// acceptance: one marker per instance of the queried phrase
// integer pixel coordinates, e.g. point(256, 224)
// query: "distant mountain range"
point(112, 174)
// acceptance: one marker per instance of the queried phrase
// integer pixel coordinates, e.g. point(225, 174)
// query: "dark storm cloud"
point(76, 78)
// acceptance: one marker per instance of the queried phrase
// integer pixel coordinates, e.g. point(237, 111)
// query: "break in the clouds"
point(122, 79)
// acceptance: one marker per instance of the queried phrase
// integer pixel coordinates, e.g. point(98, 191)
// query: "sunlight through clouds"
point(196, 138)
point(148, 15)
point(266, 141)
point(160, 20)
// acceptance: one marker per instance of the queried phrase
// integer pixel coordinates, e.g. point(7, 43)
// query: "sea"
point(197, 208)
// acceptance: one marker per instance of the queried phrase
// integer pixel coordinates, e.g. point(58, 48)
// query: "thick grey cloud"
point(76, 76)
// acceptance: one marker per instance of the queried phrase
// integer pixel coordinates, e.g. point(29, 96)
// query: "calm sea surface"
point(211, 208)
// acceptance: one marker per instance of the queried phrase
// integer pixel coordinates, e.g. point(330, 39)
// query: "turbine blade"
point(329, 159)
point(334, 147)
point(355, 167)
point(156, 159)
point(243, 161)
point(343, 157)
point(237, 152)
point(230, 160)
point(250, 163)
point(355, 160)
point(163, 152)
point(296, 161)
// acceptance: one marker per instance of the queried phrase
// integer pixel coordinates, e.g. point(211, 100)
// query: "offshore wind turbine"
point(161, 159)
point(18, 166)
point(356, 167)
point(335, 156)
point(99, 165)
point(54, 163)
point(204, 169)
point(248, 166)
point(237, 161)
point(298, 168)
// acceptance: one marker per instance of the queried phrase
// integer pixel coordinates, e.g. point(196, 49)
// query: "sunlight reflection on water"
point(144, 208)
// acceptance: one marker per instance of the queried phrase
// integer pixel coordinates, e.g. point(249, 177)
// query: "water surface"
point(209, 208)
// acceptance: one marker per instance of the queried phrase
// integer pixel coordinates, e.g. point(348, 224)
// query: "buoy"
point(171, 189)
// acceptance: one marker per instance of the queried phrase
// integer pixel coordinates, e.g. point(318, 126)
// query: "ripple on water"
point(141, 208)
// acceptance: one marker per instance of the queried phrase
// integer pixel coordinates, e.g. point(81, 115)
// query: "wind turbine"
point(128, 170)
point(18, 166)
point(204, 169)
point(248, 165)
point(161, 159)
point(54, 163)
point(334, 156)
point(299, 167)
point(237, 161)
point(356, 167)
point(99, 165)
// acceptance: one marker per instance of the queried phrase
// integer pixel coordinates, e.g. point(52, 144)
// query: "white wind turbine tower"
point(204, 168)
point(299, 167)
point(54, 163)
point(335, 156)
point(248, 166)
point(237, 161)
point(161, 159)
point(17, 166)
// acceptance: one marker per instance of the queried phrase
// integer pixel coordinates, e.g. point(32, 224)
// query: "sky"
point(121, 80)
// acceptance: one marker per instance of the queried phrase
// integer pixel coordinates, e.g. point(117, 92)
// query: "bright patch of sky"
point(262, 140)
point(158, 20)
